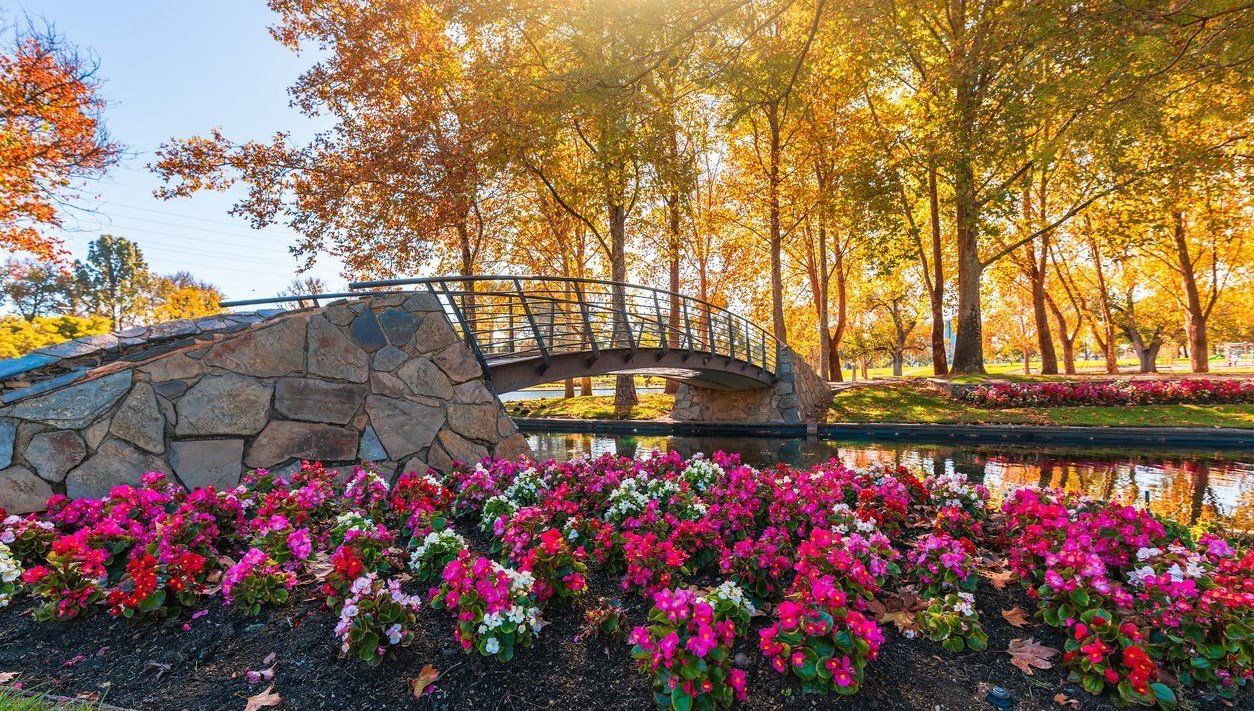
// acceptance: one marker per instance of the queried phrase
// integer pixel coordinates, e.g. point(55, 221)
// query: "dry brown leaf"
point(6, 677)
point(999, 578)
point(265, 699)
point(425, 678)
point(1028, 653)
point(904, 620)
point(1015, 616)
point(1063, 700)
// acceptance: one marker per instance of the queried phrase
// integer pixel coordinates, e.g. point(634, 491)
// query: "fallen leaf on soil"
point(263, 700)
point(6, 677)
point(999, 578)
point(904, 620)
point(1015, 616)
point(425, 678)
point(269, 660)
point(1028, 653)
point(73, 660)
point(899, 609)
point(1063, 700)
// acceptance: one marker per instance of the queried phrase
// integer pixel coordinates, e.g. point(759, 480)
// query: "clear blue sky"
point(175, 69)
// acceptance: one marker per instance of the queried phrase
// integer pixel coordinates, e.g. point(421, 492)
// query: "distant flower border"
point(1197, 391)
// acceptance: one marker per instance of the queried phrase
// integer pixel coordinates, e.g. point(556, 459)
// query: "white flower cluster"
point(955, 491)
point(10, 572)
point(702, 473)
point(631, 496)
point(525, 489)
point(10, 522)
point(1193, 565)
point(732, 593)
point(965, 604)
point(368, 586)
point(494, 508)
point(352, 521)
point(525, 617)
point(437, 544)
point(845, 521)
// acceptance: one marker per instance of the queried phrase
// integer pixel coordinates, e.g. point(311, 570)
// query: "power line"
point(180, 215)
point(258, 233)
point(267, 251)
point(203, 254)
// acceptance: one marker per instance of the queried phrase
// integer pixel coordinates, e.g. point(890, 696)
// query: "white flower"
point(491, 646)
point(1138, 576)
point(1147, 553)
point(394, 634)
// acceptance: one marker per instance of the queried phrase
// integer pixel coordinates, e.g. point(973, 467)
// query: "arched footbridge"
point(530, 330)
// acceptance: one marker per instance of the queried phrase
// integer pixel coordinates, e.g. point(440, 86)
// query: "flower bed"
point(1195, 391)
point(797, 564)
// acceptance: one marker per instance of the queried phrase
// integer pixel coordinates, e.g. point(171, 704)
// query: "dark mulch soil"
point(124, 662)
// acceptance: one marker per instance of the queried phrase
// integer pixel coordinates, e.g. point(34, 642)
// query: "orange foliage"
point(51, 138)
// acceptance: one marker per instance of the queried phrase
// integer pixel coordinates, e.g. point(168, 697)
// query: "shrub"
point(72, 580)
point(952, 620)
point(819, 639)
point(256, 580)
point(434, 553)
point(376, 616)
point(687, 647)
point(495, 606)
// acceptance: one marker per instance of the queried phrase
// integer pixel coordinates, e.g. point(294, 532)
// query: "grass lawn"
point(591, 407)
point(893, 402)
point(13, 701)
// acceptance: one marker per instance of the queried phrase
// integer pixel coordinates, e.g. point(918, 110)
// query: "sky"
point(178, 68)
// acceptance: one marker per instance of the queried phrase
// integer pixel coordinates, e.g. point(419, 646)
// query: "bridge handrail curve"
point(559, 315)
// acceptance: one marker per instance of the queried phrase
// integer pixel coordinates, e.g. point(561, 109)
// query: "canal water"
point(1185, 485)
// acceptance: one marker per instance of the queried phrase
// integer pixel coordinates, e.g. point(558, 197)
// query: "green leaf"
point(1166, 697)
point(1093, 683)
point(681, 701)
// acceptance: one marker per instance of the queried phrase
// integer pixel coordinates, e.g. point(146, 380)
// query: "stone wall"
point(381, 379)
point(798, 396)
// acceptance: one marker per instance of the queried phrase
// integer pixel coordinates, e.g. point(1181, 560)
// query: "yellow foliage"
point(19, 336)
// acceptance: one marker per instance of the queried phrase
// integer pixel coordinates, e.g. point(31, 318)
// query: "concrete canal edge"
point(1201, 437)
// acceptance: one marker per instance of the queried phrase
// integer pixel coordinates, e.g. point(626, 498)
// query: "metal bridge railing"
point(534, 317)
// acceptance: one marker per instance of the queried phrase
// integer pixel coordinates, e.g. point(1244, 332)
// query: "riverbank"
point(920, 404)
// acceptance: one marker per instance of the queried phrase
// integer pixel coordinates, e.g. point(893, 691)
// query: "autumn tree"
point(182, 295)
point(52, 137)
point(403, 171)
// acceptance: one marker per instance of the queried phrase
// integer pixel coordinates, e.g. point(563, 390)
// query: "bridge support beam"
point(798, 396)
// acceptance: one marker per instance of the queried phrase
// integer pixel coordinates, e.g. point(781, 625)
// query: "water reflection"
point(1185, 485)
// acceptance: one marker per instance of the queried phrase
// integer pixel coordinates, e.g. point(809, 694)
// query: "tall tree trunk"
point(673, 242)
point(568, 388)
point(779, 328)
point(1108, 320)
point(842, 310)
point(825, 346)
point(585, 385)
point(624, 385)
point(1196, 315)
point(1037, 272)
point(969, 348)
point(940, 361)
